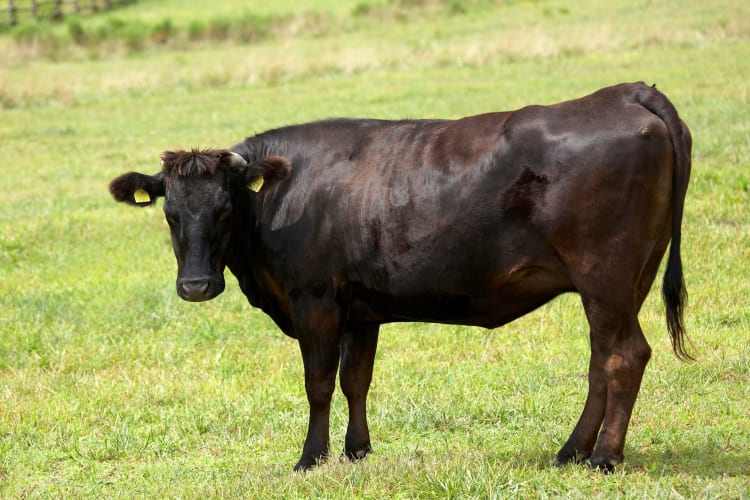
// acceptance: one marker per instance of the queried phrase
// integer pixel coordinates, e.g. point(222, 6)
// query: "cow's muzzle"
point(200, 289)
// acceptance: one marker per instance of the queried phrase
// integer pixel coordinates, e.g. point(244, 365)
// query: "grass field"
point(111, 386)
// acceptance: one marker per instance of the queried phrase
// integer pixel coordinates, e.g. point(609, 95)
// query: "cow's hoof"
point(571, 456)
point(358, 453)
point(306, 463)
point(303, 466)
point(605, 465)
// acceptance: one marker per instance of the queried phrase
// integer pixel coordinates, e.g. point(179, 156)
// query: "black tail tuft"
point(673, 285)
point(675, 298)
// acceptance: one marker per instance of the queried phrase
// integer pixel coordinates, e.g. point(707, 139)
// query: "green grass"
point(111, 386)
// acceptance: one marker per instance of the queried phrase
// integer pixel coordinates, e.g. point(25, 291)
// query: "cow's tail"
point(673, 284)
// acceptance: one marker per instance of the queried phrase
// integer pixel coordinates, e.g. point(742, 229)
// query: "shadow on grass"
point(700, 461)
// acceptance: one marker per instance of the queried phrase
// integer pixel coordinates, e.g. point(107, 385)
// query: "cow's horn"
point(236, 161)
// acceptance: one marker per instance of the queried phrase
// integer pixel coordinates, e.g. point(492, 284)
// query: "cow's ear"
point(266, 172)
point(137, 189)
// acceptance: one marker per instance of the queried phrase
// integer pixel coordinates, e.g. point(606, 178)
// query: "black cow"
point(338, 226)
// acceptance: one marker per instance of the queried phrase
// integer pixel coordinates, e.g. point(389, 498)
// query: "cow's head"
point(202, 190)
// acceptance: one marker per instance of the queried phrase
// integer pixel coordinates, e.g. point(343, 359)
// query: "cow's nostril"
point(194, 287)
point(195, 290)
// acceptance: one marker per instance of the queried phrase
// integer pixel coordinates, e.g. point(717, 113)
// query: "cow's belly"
point(488, 303)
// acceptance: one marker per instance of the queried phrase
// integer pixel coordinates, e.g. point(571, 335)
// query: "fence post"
point(57, 12)
point(12, 13)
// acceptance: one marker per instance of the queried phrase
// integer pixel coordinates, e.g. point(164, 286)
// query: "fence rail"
point(17, 11)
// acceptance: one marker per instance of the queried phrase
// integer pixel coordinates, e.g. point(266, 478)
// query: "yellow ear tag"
point(256, 184)
point(141, 196)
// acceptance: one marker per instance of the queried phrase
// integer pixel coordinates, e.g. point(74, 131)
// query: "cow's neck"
point(245, 262)
point(239, 250)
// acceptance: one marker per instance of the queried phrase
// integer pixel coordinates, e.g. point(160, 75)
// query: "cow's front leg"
point(358, 348)
point(319, 342)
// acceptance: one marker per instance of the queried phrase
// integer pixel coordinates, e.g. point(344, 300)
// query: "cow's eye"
point(222, 210)
point(172, 219)
point(222, 216)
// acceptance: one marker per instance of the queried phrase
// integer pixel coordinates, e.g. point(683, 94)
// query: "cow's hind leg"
point(357, 358)
point(619, 354)
point(581, 442)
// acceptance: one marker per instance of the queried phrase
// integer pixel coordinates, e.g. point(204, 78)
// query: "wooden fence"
point(17, 11)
